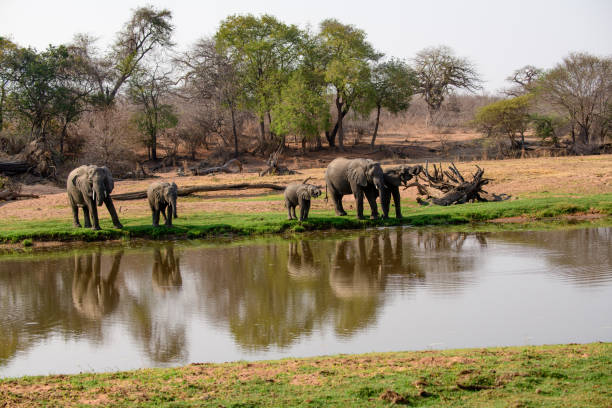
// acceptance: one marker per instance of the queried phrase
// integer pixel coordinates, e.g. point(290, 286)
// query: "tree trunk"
point(262, 130)
point(235, 133)
point(375, 126)
point(340, 135)
point(154, 147)
point(270, 125)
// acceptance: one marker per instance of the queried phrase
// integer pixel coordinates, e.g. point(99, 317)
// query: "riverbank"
point(556, 209)
point(559, 375)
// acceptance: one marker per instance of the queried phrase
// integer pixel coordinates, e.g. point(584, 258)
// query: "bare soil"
point(517, 177)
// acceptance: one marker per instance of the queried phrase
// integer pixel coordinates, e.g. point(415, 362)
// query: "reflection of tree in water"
point(94, 295)
point(36, 302)
point(152, 321)
point(583, 256)
point(274, 294)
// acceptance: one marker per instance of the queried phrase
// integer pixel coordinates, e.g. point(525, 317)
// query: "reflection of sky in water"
point(382, 290)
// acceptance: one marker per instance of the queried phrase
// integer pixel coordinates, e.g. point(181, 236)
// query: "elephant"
point(87, 186)
point(394, 177)
point(162, 198)
point(300, 194)
point(357, 176)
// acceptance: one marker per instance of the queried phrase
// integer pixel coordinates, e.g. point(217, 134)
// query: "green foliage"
point(303, 109)
point(392, 85)
point(547, 127)
point(27, 242)
point(264, 51)
point(509, 117)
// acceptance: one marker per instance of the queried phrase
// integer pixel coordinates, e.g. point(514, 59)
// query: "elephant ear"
point(357, 174)
point(303, 193)
point(174, 187)
point(108, 180)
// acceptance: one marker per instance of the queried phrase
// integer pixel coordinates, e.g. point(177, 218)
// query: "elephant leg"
point(75, 214)
point(113, 213)
point(371, 197)
point(397, 202)
point(288, 205)
point(359, 201)
point(86, 216)
point(304, 208)
point(337, 198)
point(94, 216)
point(156, 217)
point(293, 212)
point(385, 200)
point(168, 217)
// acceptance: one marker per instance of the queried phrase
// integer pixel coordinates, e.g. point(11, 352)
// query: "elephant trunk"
point(98, 195)
point(174, 214)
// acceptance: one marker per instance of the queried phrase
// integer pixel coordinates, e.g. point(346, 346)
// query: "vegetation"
point(217, 224)
point(567, 375)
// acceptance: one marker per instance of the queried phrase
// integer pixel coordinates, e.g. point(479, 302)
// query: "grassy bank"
point(563, 375)
point(202, 225)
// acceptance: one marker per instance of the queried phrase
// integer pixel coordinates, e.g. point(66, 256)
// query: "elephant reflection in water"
point(94, 295)
point(301, 263)
point(166, 270)
point(158, 322)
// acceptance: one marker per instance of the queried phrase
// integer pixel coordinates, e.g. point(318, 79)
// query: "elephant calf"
point(394, 177)
point(162, 198)
point(299, 194)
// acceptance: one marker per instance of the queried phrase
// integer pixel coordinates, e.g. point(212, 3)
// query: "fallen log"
point(7, 195)
point(185, 191)
point(14, 167)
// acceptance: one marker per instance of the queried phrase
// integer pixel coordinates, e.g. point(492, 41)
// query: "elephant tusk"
point(93, 196)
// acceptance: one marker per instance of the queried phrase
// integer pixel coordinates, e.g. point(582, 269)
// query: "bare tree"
point(581, 87)
point(523, 80)
point(211, 76)
point(439, 72)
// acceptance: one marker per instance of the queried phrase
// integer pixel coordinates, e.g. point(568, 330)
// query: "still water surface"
point(377, 290)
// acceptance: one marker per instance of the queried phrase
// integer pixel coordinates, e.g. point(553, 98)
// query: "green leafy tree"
point(392, 86)
point(508, 117)
point(7, 49)
point(148, 90)
point(439, 72)
point(303, 110)
point(264, 51)
point(347, 55)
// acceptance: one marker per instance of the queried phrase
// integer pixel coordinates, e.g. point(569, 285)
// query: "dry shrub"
point(108, 138)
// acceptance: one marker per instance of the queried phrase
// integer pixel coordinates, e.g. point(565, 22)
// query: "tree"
point(38, 86)
point(391, 87)
point(148, 90)
point(439, 72)
point(303, 110)
point(524, 80)
point(346, 55)
point(7, 48)
point(509, 117)
point(264, 51)
point(147, 30)
point(581, 88)
point(211, 77)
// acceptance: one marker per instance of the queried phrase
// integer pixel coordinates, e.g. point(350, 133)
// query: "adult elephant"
point(88, 186)
point(357, 176)
point(394, 178)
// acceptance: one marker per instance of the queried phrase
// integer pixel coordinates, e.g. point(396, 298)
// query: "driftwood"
point(185, 191)
point(274, 167)
point(7, 195)
point(200, 170)
point(454, 187)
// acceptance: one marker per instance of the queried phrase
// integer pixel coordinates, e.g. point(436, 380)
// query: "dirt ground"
point(517, 177)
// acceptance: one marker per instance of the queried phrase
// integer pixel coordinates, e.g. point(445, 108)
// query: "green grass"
point(203, 225)
point(540, 376)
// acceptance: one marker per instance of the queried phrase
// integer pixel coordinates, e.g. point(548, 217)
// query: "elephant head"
point(367, 172)
point(313, 191)
point(170, 192)
point(100, 183)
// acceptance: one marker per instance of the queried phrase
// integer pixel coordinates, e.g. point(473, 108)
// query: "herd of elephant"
point(90, 186)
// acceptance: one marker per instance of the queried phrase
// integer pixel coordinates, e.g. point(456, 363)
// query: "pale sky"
point(497, 36)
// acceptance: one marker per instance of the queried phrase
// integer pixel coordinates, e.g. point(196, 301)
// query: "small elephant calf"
point(299, 194)
point(162, 198)
point(395, 177)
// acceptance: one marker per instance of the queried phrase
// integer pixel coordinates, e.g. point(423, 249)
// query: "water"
point(377, 290)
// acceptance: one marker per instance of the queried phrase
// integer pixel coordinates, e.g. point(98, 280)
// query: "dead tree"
point(274, 168)
point(454, 187)
point(185, 191)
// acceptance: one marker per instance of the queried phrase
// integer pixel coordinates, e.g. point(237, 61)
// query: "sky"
point(497, 36)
